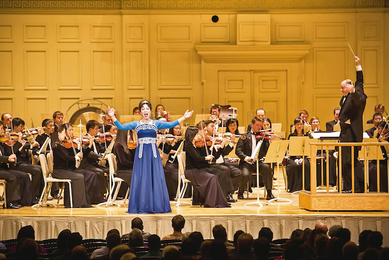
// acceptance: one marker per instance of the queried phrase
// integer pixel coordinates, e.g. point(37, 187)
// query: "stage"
point(282, 218)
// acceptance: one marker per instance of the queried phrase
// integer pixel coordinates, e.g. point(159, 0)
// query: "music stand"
point(296, 148)
point(275, 154)
point(255, 155)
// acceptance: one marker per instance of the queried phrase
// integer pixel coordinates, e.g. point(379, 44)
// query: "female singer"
point(62, 171)
point(148, 193)
point(293, 167)
point(207, 184)
point(125, 160)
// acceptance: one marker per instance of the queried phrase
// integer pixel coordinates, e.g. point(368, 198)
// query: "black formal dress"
point(23, 164)
point(63, 170)
point(235, 171)
point(205, 183)
point(383, 177)
point(13, 187)
point(244, 148)
point(350, 117)
point(294, 172)
point(125, 162)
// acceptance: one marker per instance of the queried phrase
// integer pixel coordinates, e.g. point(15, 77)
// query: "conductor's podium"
point(333, 199)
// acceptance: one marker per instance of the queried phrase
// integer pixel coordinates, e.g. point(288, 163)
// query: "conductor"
point(350, 116)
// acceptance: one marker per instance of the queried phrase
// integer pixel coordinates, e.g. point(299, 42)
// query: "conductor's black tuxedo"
point(244, 149)
point(350, 116)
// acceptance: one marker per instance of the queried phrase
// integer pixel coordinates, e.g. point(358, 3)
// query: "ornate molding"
point(236, 5)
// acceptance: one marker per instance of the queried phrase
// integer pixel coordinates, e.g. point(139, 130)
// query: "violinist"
point(107, 119)
point(245, 149)
point(294, 164)
point(382, 136)
point(110, 133)
point(171, 166)
point(7, 120)
point(21, 149)
point(48, 126)
point(63, 169)
point(91, 160)
point(377, 117)
point(218, 167)
point(261, 113)
point(205, 183)
point(232, 125)
point(92, 184)
point(124, 159)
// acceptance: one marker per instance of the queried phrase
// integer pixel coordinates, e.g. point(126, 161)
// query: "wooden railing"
point(331, 199)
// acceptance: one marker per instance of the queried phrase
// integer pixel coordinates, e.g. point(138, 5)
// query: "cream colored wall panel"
point(6, 69)
point(135, 32)
point(69, 33)
point(215, 33)
point(34, 107)
point(69, 69)
point(330, 66)
point(269, 84)
point(290, 32)
point(175, 104)
point(174, 32)
point(102, 33)
point(103, 62)
point(330, 31)
point(6, 33)
point(370, 59)
point(240, 105)
point(253, 29)
point(136, 69)
point(108, 100)
point(65, 103)
point(370, 31)
point(272, 107)
point(175, 69)
point(324, 106)
point(133, 101)
point(7, 105)
point(35, 33)
point(36, 69)
point(235, 85)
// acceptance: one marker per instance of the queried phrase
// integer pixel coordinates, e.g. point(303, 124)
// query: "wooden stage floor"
point(281, 217)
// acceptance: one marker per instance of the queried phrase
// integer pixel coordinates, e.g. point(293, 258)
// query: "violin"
point(67, 143)
point(201, 142)
point(132, 144)
point(7, 139)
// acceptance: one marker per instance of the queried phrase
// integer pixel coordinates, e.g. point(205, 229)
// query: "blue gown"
point(148, 192)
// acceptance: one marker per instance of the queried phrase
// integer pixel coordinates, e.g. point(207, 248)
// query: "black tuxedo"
point(330, 125)
point(244, 149)
point(351, 124)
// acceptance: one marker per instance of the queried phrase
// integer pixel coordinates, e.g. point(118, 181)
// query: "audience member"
point(112, 241)
point(236, 236)
point(274, 249)
point(128, 256)
point(79, 253)
point(333, 229)
point(178, 223)
point(62, 242)
point(322, 226)
point(154, 244)
point(198, 238)
point(188, 248)
point(204, 248)
point(343, 233)
point(217, 250)
point(28, 249)
point(137, 223)
point(320, 246)
point(350, 251)
point(262, 248)
point(220, 233)
point(296, 233)
point(171, 252)
point(26, 232)
point(384, 254)
point(135, 238)
point(293, 252)
point(245, 246)
point(375, 240)
point(370, 254)
point(118, 251)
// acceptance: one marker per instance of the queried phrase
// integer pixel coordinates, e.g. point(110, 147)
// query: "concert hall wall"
point(281, 55)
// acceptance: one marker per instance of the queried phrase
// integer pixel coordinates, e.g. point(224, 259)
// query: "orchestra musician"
point(171, 167)
point(136, 111)
point(261, 113)
point(377, 117)
point(303, 114)
point(245, 149)
point(160, 112)
point(382, 136)
point(330, 125)
point(107, 119)
point(92, 184)
point(205, 183)
point(352, 106)
point(294, 165)
point(91, 160)
point(63, 170)
point(7, 120)
point(21, 149)
point(58, 117)
point(379, 108)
